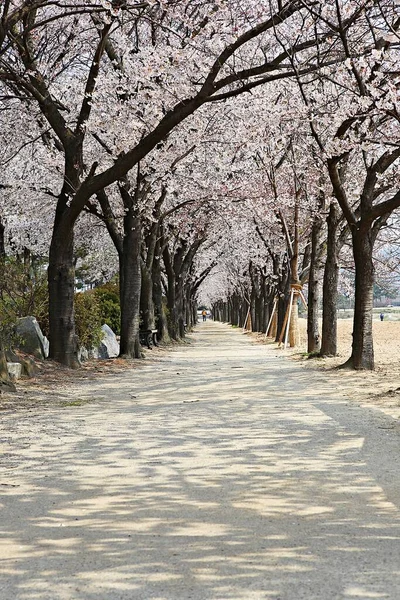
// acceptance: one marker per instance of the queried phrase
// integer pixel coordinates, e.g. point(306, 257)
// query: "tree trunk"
point(6, 385)
point(131, 286)
point(2, 243)
point(313, 339)
point(224, 313)
point(253, 310)
point(194, 313)
point(362, 356)
point(283, 299)
point(146, 299)
point(160, 309)
point(61, 269)
point(171, 296)
point(294, 333)
point(61, 279)
point(179, 310)
point(280, 316)
point(330, 287)
point(172, 311)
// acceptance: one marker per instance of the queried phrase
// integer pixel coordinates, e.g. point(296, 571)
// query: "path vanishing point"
point(218, 471)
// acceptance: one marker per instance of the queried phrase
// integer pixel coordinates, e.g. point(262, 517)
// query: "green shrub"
point(108, 298)
point(23, 292)
point(88, 320)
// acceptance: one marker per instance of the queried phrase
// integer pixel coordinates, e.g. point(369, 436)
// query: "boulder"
point(109, 347)
point(6, 385)
point(83, 354)
point(28, 365)
point(32, 340)
point(14, 370)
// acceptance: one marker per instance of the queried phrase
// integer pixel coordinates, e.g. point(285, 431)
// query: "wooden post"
point(295, 290)
point(272, 316)
point(303, 298)
point(285, 321)
point(247, 319)
point(292, 294)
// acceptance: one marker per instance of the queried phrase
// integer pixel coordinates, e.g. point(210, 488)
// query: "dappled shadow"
point(221, 472)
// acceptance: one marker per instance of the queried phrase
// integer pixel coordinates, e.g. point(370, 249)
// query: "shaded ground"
point(216, 471)
point(380, 388)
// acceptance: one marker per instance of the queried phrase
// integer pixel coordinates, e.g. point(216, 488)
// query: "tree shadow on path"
point(221, 472)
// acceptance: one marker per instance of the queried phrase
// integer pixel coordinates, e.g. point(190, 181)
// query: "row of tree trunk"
point(260, 297)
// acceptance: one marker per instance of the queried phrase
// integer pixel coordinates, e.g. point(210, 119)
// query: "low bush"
point(88, 319)
point(23, 292)
point(108, 298)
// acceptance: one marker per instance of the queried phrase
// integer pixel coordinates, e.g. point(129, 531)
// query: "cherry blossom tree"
point(354, 118)
point(176, 62)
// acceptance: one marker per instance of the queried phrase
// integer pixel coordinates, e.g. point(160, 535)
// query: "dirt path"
point(219, 471)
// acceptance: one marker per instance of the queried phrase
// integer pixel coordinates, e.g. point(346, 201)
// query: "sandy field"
point(380, 387)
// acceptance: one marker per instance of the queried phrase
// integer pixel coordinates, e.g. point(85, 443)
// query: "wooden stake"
point(290, 315)
point(284, 323)
point(246, 320)
point(272, 316)
point(303, 299)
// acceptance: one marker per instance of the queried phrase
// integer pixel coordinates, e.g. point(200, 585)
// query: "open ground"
point(219, 470)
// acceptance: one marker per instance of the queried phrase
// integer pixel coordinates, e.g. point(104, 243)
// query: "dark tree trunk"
point(244, 312)
point(235, 312)
point(61, 279)
point(151, 250)
point(220, 312)
point(2, 244)
point(264, 300)
point(188, 314)
point(253, 310)
point(61, 269)
point(313, 339)
point(194, 313)
point(180, 311)
point(189, 310)
point(146, 299)
point(130, 289)
point(362, 356)
point(6, 385)
point(216, 311)
point(160, 309)
point(171, 297)
point(284, 291)
point(259, 309)
point(269, 294)
point(229, 311)
point(224, 310)
point(330, 286)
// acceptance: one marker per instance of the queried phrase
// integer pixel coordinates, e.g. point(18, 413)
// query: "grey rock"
point(46, 346)
point(14, 370)
point(83, 354)
point(109, 347)
point(28, 365)
point(32, 339)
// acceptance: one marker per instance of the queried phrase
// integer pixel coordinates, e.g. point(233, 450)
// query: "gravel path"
point(219, 471)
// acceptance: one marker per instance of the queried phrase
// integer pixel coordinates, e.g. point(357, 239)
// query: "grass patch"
point(78, 402)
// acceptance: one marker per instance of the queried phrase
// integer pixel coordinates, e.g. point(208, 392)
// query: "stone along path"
point(221, 471)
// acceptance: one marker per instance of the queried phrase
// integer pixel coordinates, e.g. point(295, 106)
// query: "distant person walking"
point(204, 313)
point(381, 316)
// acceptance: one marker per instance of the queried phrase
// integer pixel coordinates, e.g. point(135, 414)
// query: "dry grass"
point(381, 387)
